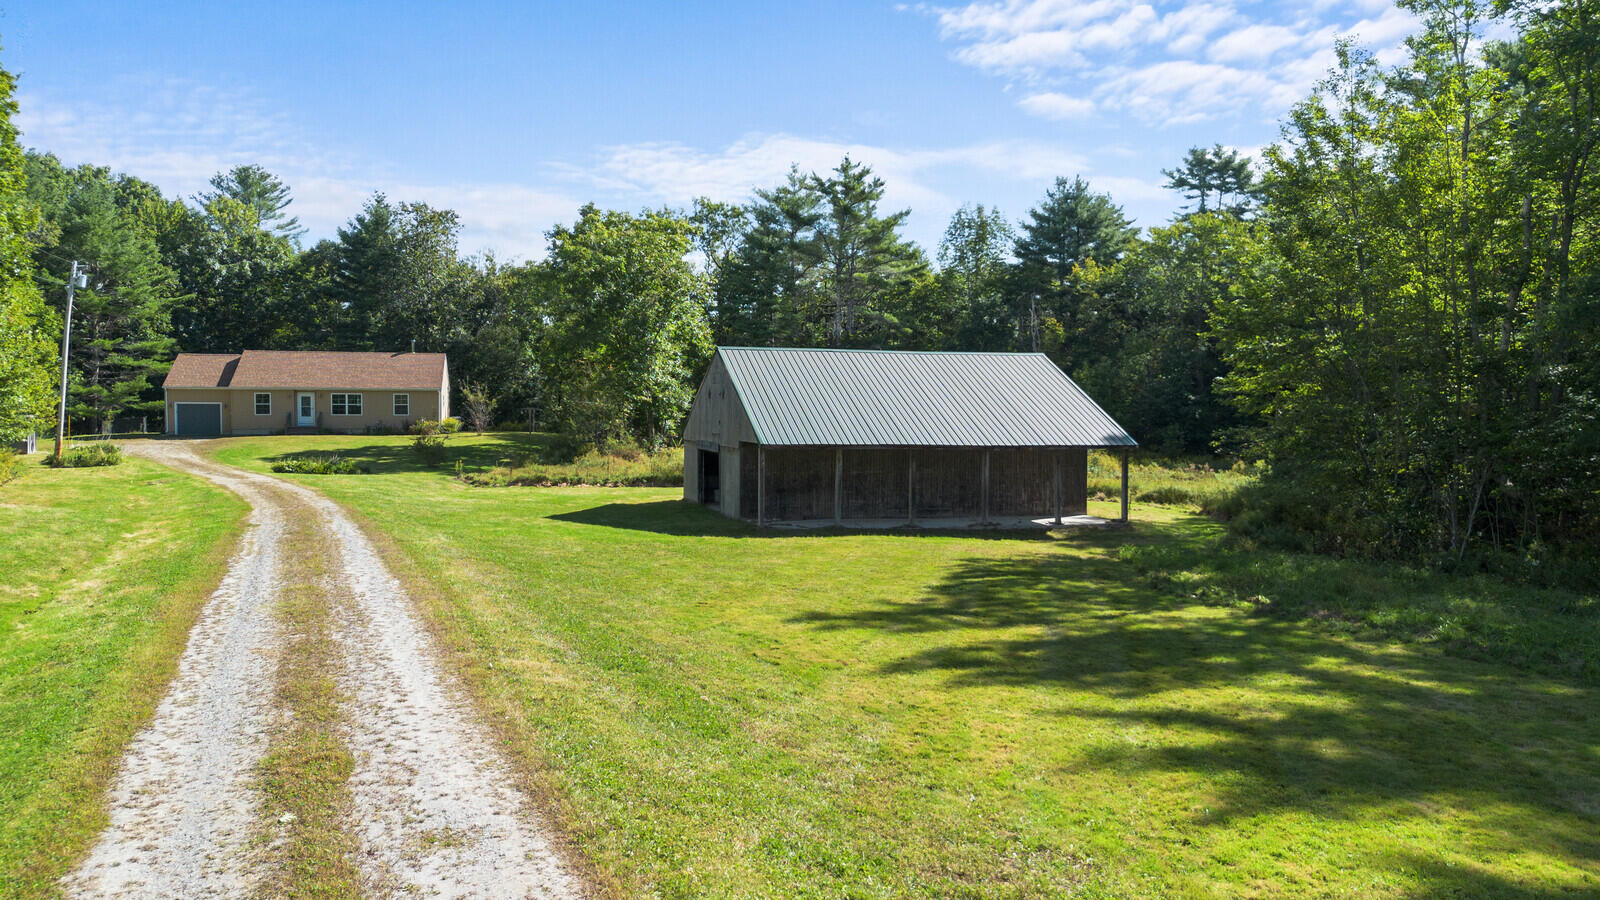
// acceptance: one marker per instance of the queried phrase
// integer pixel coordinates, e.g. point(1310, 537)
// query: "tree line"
point(1395, 306)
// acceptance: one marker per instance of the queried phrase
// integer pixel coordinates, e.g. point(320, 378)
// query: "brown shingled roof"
point(307, 369)
point(201, 370)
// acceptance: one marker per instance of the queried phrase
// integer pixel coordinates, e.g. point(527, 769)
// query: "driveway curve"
point(435, 809)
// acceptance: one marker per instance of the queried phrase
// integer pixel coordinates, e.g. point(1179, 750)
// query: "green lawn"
point(105, 570)
point(717, 711)
point(493, 458)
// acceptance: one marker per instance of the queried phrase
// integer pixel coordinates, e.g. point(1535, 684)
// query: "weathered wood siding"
point(1022, 481)
point(949, 482)
point(717, 418)
point(874, 482)
point(799, 483)
point(749, 456)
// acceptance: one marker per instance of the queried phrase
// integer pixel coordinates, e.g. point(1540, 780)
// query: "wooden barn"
point(871, 438)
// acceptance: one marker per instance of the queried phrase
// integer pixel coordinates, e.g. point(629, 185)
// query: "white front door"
point(305, 409)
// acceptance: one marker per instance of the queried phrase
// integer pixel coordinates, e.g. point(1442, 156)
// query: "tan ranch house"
point(272, 391)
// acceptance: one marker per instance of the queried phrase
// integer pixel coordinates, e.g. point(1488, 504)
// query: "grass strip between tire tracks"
point(305, 774)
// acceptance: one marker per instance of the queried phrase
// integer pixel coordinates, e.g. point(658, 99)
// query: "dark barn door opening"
point(711, 477)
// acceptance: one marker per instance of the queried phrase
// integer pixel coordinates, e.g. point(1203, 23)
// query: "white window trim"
point(255, 402)
point(395, 407)
point(333, 399)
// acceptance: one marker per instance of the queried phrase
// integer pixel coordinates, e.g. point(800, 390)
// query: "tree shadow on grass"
point(1270, 712)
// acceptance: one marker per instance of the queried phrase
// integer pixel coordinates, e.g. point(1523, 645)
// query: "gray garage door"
point(198, 418)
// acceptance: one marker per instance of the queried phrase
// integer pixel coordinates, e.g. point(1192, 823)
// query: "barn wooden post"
point(986, 485)
point(761, 485)
point(1124, 484)
point(911, 486)
point(1055, 469)
point(838, 486)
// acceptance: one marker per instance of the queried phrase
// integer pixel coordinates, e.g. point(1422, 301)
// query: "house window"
point(402, 404)
point(345, 404)
point(263, 404)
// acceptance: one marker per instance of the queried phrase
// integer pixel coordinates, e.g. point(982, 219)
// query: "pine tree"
point(27, 327)
point(121, 321)
point(768, 289)
point(263, 193)
point(1218, 180)
point(1071, 227)
point(863, 257)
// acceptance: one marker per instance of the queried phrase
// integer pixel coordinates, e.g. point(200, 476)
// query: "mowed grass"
point(104, 572)
point(716, 711)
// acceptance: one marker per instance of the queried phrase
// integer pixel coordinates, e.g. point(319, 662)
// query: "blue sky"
point(515, 114)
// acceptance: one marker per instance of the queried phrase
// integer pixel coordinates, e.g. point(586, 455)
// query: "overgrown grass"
point(1197, 484)
point(104, 572)
point(305, 775)
point(627, 468)
point(716, 711)
point(319, 464)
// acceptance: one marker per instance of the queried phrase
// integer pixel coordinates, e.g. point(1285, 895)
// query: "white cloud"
point(1183, 91)
point(1053, 105)
point(177, 134)
point(1253, 43)
point(1185, 29)
point(1020, 37)
point(1192, 60)
point(675, 173)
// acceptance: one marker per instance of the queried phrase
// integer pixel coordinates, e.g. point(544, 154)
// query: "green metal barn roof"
point(902, 398)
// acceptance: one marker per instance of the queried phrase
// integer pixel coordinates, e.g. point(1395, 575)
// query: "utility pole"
point(74, 281)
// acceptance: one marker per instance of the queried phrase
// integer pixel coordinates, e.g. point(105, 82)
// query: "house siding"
point(238, 408)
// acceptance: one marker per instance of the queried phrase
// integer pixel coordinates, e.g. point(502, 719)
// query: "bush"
point(86, 456)
point(429, 447)
point(436, 426)
point(319, 464)
point(625, 450)
point(10, 465)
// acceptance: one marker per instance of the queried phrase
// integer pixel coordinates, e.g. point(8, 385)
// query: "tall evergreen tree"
point(1073, 225)
point(1217, 180)
point(27, 327)
point(232, 274)
point(365, 274)
point(863, 257)
point(260, 191)
point(768, 288)
point(974, 262)
point(122, 319)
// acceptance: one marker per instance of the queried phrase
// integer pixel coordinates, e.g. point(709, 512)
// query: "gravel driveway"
point(185, 817)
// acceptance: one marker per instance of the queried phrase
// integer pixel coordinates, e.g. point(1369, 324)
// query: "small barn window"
point(263, 404)
point(402, 404)
point(345, 404)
